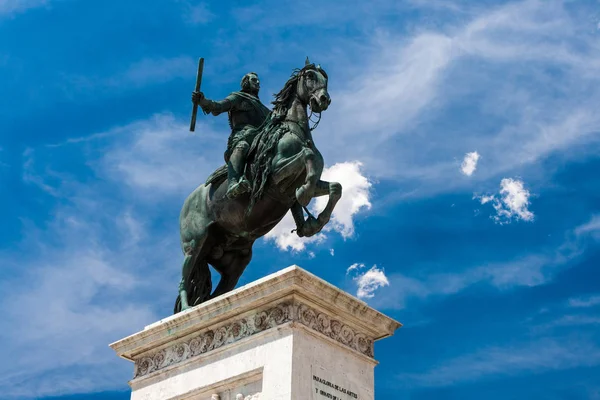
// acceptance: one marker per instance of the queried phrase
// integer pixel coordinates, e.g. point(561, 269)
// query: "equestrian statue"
point(272, 165)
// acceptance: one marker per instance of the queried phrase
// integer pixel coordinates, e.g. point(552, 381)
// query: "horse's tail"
point(200, 285)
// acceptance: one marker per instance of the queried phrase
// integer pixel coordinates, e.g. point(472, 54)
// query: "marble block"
point(289, 335)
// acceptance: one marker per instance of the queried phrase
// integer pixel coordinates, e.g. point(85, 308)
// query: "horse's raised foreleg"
point(334, 190)
point(311, 225)
point(307, 191)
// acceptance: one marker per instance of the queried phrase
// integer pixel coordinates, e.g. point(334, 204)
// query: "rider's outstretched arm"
point(218, 107)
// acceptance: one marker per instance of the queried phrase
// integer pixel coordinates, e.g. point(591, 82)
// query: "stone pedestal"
point(287, 336)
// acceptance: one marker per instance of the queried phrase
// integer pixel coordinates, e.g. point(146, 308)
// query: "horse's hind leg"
point(231, 266)
point(192, 250)
point(191, 254)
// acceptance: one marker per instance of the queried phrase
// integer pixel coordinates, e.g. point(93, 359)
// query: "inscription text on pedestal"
point(324, 389)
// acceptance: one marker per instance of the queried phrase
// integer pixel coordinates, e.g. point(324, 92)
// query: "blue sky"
point(465, 135)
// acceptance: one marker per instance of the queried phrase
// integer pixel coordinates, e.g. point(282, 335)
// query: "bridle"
point(315, 123)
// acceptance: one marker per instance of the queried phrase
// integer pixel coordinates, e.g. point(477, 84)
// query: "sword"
point(198, 83)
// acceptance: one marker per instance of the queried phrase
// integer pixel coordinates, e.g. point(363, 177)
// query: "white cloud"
point(486, 199)
point(511, 203)
point(368, 282)
point(332, 252)
point(354, 267)
point(515, 199)
point(547, 354)
point(469, 164)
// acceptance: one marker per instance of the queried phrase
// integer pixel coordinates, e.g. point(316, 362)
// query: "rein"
point(315, 123)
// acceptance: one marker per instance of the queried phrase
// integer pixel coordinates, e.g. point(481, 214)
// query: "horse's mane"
point(286, 95)
point(270, 132)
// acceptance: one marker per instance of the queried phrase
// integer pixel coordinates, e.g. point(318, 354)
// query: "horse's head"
point(312, 87)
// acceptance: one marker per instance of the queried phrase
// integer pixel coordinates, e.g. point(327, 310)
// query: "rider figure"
point(246, 113)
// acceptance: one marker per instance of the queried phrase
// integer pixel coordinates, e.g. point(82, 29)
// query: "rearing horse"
point(284, 166)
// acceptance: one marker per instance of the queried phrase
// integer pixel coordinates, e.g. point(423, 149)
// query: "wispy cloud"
point(409, 84)
point(196, 13)
point(584, 302)
point(9, 7)
point(159, 156)
point(547, 354)
point(78, 296)
point(30, 177)
point(511, 203)
point(592, 227)
point(144, 72)
point(86, 276)
point(369, 281)
point(567, 321)
point(529, 270)
point(469, 164)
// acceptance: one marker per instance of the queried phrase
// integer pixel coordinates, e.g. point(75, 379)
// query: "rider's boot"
point(238, 184)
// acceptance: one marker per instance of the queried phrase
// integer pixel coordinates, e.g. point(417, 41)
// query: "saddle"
point(220, 174)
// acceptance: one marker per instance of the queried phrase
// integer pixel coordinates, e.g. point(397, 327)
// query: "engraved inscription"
point(330, 390)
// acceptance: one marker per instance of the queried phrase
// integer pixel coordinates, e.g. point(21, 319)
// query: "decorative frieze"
point(233, 331)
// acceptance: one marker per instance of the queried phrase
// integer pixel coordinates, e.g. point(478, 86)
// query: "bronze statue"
point(246, 113)
point(283, 172)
